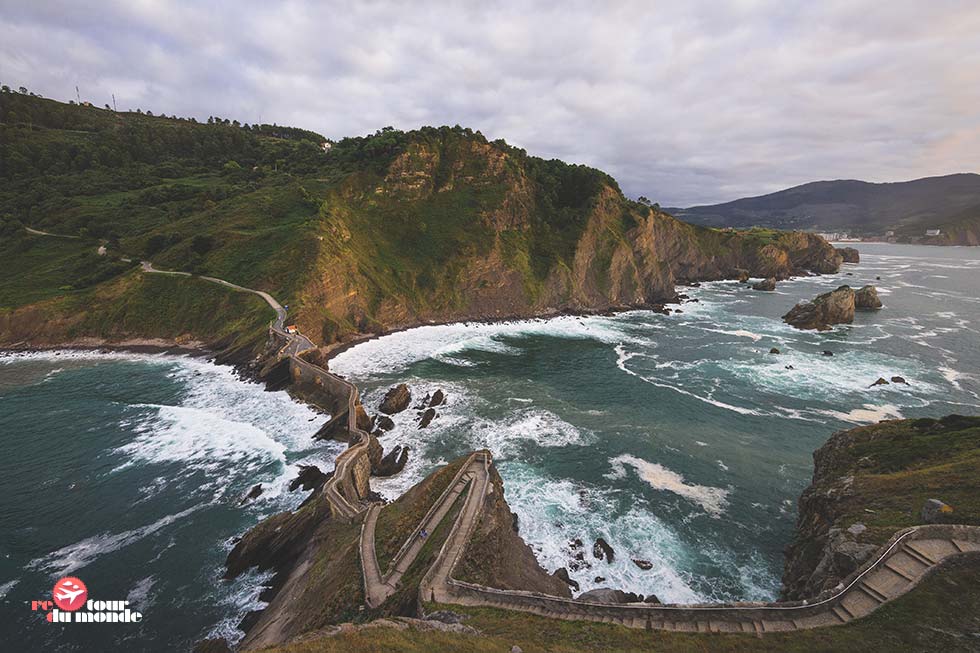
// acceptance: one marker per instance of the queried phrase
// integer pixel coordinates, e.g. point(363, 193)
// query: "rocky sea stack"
point(849, 254)
point(834, 307)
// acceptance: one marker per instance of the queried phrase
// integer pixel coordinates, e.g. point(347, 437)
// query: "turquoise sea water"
point(677, 438)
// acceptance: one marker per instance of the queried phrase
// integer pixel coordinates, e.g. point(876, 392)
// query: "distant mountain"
point(858, 207)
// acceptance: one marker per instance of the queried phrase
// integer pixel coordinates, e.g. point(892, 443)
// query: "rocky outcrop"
point(849, 254)
point(867, 483)
point(396, 400)
point(866, 298)
point(767, 285)
point(426, 417)
point(835, 307)
point(496, 556)
point(309, 478)
point(562, 574)
point(391, 463)
point(608, 595)
point(385, 423)
point(601, 549)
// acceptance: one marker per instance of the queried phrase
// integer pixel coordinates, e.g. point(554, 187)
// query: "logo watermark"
point(70, 604)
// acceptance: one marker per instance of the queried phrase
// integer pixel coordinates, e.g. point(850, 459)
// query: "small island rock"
point(396, 399)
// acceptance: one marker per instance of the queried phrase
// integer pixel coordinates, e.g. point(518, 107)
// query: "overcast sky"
point(684, 102)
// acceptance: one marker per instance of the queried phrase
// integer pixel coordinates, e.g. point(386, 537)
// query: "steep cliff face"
point(459, 228)
point(870, 481)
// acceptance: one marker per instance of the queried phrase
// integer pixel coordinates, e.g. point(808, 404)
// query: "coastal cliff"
point(870, 481)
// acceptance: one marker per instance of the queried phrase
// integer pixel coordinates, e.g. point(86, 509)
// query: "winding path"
point(895, 569)
point(340, 491)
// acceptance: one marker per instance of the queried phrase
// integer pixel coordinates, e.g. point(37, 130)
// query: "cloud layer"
point(687, 103)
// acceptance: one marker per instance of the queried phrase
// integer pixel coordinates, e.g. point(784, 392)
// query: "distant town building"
point(326, 146)
point(889, 234)
point(933, 232)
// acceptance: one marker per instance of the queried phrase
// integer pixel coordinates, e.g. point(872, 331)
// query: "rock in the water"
point(766, 284)
point(309, 477)
point(651, 598)
point(601, 549)
point(827, 352)
point(645, 565)
point(396, 400)
point(866, 298)
point(252, 494)
point(599, 579)
point(392, 463)
point(899, 379)
point(385, 423)
point(426, 418)
point(849, 254)
point(608, 595)
point(562, 574)
point(933, 510)
point(880, 381)
point(742, 275)
point(834, 307)
point(438, 398)
point(774, 350)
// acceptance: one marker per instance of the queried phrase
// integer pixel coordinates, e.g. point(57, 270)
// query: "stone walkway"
point(893, 571)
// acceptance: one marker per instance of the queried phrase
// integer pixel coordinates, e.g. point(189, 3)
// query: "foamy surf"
point(712, 500)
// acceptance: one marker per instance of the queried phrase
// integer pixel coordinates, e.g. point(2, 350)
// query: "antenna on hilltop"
point(78, 95)
point(113, 101)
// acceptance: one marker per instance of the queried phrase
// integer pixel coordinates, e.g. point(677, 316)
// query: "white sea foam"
point(449, 342)
point(6, 587)
point(865, 415)
point(75, 556)
point(712, 499)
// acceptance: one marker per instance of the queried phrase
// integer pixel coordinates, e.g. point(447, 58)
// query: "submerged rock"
point(774, 350)
point(867, 298)
point(880, 381)
point(899, 379)
point(645, 565)
point(396, 399)
point(834, 307)
point(252, 494)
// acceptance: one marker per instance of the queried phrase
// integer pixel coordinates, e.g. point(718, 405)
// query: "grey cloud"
point(686, 103)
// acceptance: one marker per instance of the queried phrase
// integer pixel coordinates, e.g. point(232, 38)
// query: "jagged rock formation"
point(834, 307)
point(866, 298)
point(608, 595)
point(396, 400)
point(849, 254)
point(309, 478)
point(391, 463)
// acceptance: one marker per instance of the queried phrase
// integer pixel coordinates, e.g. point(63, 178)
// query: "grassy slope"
point(942, 615)
point(898, 465)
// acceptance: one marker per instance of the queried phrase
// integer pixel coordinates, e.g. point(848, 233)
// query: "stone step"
point(917, 555)
point(840, 614)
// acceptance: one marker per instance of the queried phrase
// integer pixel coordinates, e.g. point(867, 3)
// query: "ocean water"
point(678, 438)
point(127, 471)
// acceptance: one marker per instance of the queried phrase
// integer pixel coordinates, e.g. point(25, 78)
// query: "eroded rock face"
point(834, 307)
point(866, 298)
point(562, 574)
point(385, 423)
point(426, 417)
point(849, 254)
point(309, 478)
point(601, 549)
point(396, 400)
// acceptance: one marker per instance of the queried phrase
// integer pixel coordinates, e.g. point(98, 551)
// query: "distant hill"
point(858, 207)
